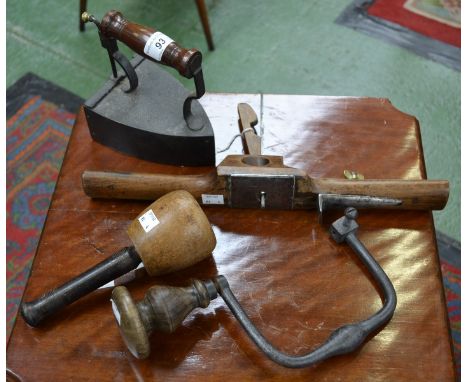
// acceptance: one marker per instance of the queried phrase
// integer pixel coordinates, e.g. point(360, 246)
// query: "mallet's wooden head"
point(172, 233)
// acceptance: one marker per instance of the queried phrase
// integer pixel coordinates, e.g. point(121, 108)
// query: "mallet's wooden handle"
point(102, 184)
point(123, 261)
point(147, 42)
point(414, 194)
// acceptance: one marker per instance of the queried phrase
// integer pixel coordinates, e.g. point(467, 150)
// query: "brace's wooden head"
point(162, 309)
point(172, 233)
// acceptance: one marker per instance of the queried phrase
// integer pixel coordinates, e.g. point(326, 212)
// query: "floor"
point(264, 46)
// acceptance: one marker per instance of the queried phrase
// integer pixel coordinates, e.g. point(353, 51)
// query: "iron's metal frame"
point(110, 44)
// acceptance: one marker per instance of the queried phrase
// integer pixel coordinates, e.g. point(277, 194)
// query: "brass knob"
point(85, 17)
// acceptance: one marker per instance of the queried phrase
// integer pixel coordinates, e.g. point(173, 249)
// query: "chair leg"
point(205, 22)
point(82, 9)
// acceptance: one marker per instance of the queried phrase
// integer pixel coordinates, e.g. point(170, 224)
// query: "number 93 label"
point(156, 45)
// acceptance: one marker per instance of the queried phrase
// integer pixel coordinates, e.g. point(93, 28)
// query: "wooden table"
point(296, 284)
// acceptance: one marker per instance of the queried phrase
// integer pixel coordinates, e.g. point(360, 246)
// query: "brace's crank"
point(164, 308)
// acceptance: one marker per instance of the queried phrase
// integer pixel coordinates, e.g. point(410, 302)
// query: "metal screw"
point(262, 199)
point(350, 215)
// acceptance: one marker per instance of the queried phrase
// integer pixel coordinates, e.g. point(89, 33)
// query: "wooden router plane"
point(263, 181)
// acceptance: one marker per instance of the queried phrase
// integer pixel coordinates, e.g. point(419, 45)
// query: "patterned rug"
point(450, 264)
point(437, 19)
point(40, 117)
point(429, 28)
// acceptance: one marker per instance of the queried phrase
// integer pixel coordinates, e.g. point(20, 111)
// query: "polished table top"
point(294, 281)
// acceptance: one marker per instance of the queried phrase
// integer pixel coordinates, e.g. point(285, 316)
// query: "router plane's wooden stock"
point(242, 181)
point(263, 181)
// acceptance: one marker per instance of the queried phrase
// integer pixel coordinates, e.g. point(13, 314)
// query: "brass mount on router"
point(154, 117)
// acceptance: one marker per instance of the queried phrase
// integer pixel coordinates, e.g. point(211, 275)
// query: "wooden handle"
point(414, 194)
point(113, 185)
point(136, 36)
point(162, 309)
point(248, 119)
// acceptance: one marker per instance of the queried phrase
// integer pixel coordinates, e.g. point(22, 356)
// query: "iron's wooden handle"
point(414, 194)
point(102, 184)
point(136, 37)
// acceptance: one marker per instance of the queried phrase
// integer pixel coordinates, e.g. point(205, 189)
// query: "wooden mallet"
point(171, 234)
